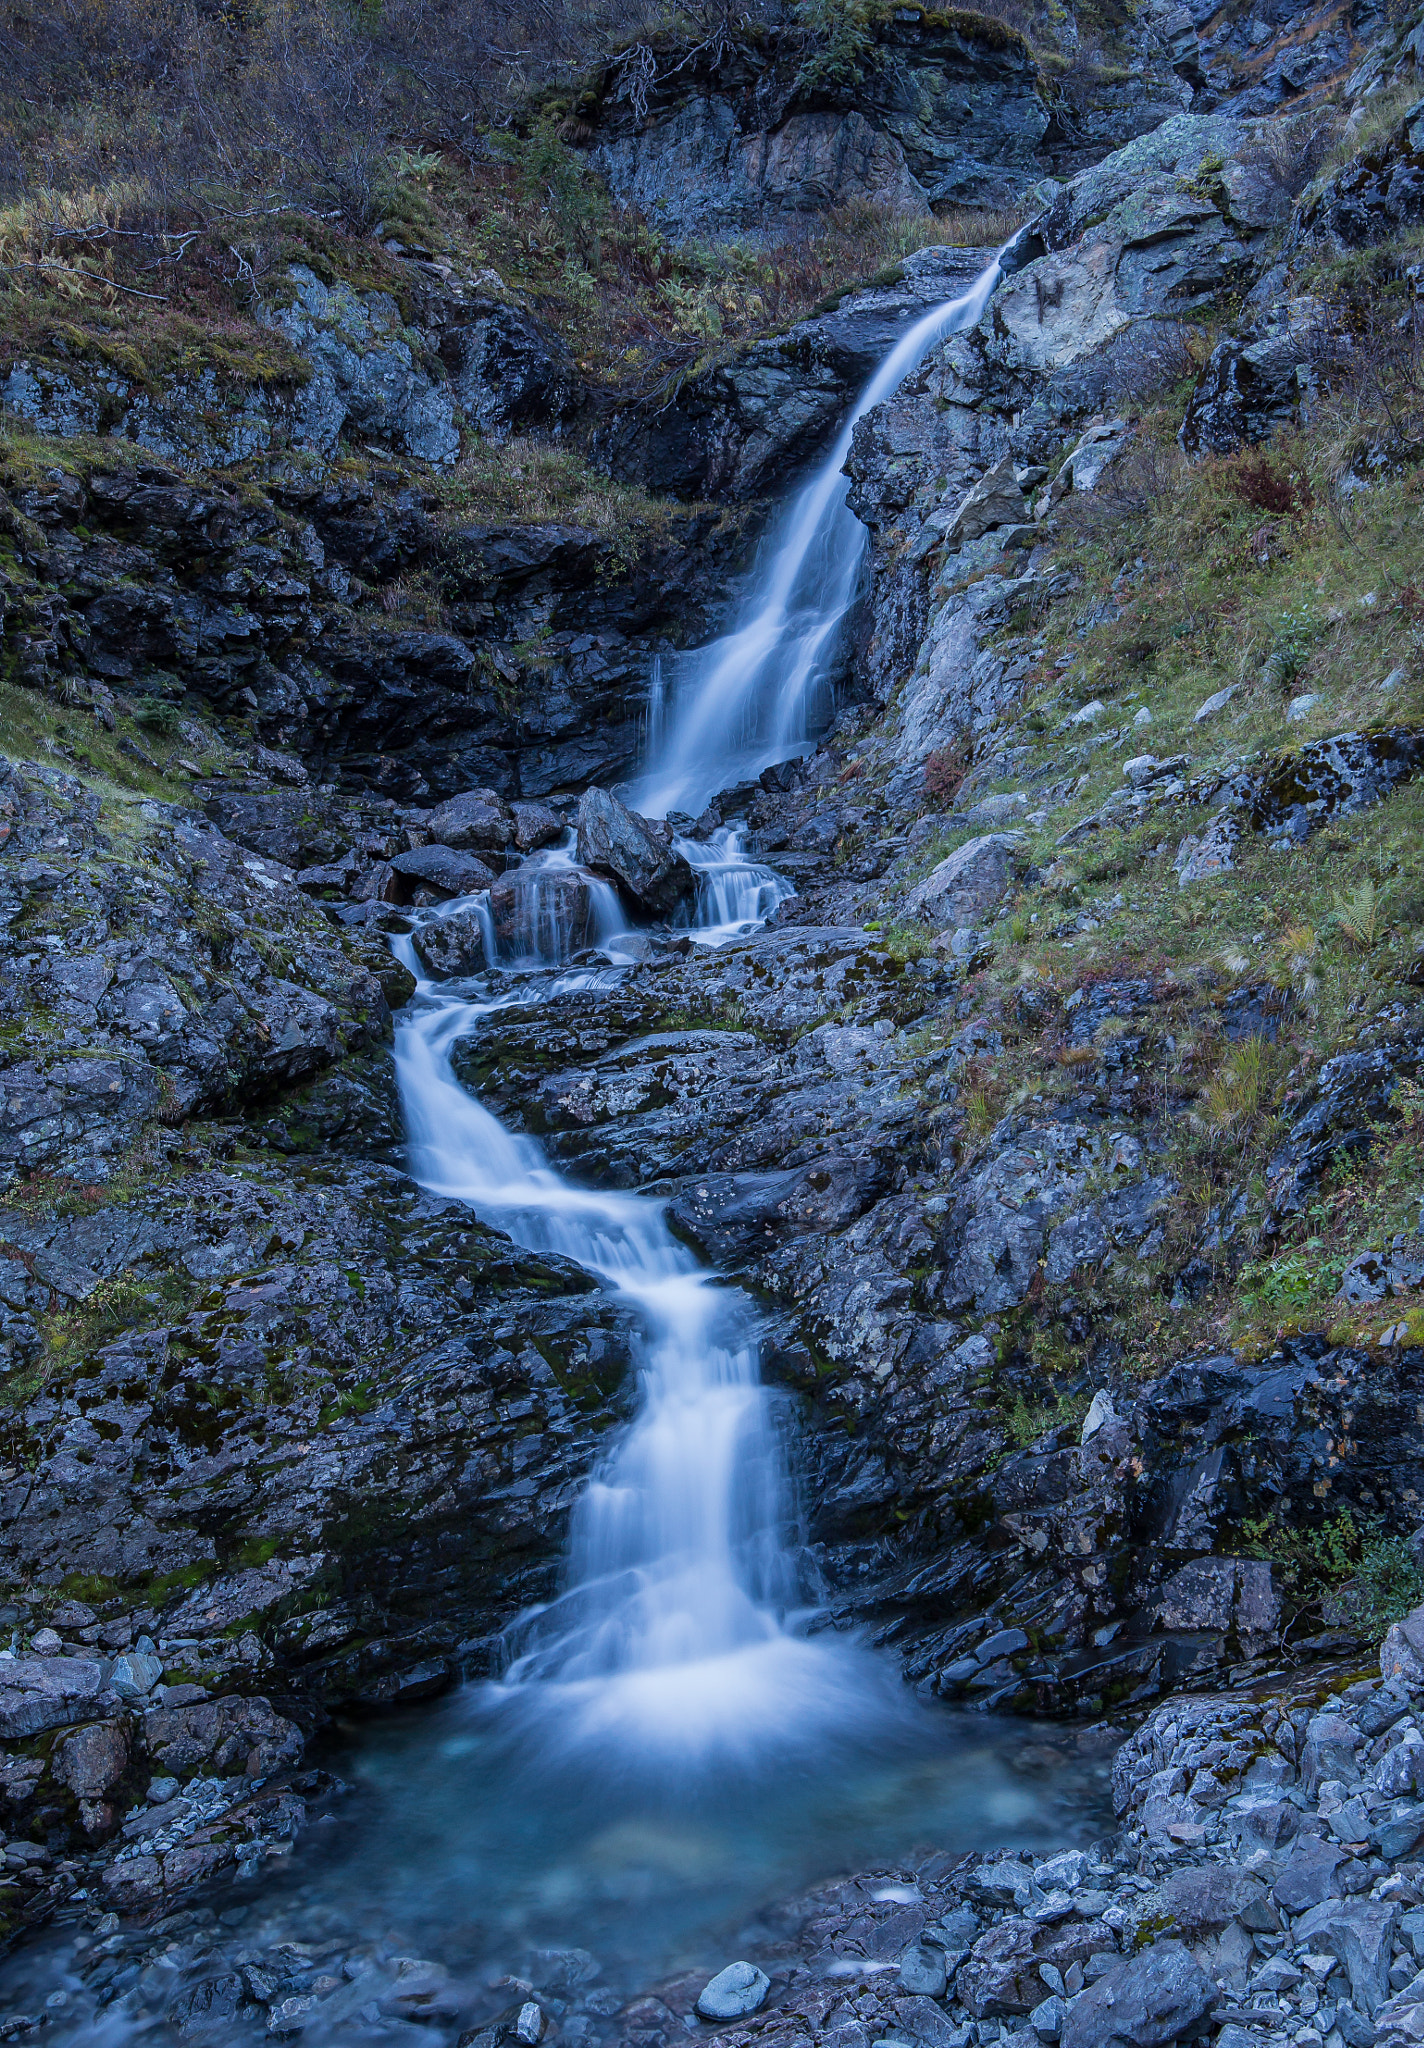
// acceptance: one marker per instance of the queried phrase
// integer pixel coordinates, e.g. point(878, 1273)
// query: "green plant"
point(1296, 633)
point(1369, 1578)
point(157, 715)
point(1358, 914)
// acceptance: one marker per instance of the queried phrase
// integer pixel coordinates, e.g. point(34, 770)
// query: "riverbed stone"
point(735, 1992)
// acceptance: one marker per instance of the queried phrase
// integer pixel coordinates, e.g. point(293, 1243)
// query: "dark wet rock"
point(637, 855)
point(547, 912)
point(442, 869)
point(453, 945)
point(507, 371)
point(748, 425)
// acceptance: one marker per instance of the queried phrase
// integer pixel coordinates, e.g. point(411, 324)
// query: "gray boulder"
point(1360, 1932)
point(37, 1693)
point(734, 1993)
point(441, 867)
point(638, 856)
point(1161, 1996)
point(453, 945)
point(968, 881)
point(477, 818)
point(543, 913)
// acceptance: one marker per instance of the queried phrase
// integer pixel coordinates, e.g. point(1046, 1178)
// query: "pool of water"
point(472, 1835)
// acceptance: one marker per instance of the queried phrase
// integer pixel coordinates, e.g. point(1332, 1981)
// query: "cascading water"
point(754, 696)
point(677, 1627)
point(669, 1746)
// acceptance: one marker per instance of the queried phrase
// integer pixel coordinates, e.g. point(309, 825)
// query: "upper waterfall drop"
point(750, 698)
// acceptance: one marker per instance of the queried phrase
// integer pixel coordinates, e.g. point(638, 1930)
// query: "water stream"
point(674, 1739)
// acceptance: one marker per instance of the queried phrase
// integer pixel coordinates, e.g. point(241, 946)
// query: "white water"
point(754, 696)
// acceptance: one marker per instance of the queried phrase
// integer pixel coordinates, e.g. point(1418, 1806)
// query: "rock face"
point(749, 424)
point(944, 110)
point(137, 567)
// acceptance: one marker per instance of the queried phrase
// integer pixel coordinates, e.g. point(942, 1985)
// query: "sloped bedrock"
point(947, 109)
point(1113, 1568)
point(393, 1403)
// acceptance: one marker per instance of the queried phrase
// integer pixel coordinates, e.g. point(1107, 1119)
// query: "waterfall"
point(679, 1626)
point(756, 695)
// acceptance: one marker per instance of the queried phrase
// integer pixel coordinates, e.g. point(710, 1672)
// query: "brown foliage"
point(1256, 482)
point(945, 770)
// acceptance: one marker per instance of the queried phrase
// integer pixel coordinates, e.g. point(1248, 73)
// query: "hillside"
point(389, 400)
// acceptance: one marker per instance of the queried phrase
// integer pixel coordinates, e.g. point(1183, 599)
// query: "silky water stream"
point(674, 1743)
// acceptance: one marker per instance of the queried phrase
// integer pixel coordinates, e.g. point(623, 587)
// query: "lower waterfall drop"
point(677, 1628)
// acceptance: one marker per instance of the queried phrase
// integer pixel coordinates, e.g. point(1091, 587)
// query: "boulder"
point(223, 1737)
point(1335, 777)
point(996, 500)
point(734, 1993)
point(1310, 1876)
point(49, 1692)
point(454, 945)
point(535, 825)
point(1360, 1932)
point(1253, 381)
point(1161, 1996)
point(476, 818)
point(544, 913)
point(442, 867)
point(615, 841)
point(968, 881)
point(92, 1759)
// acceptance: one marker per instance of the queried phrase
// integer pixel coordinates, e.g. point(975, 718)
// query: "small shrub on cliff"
point(945, 770)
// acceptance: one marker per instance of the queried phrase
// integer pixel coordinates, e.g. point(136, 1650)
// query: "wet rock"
point(508, 372)
point(615, 841)
point(453, 945)
point(544, 912)
point(1147, 2002)
point(443, 869)
point(733, 1993)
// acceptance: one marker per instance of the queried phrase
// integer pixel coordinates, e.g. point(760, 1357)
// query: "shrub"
point(945, 771)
